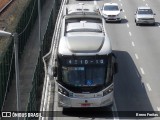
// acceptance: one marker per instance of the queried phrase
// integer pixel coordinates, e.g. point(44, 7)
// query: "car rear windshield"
point(145, 11)
point(111, 8)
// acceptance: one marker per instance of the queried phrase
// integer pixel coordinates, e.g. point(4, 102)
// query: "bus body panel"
point(80, 102)
point(86, 99)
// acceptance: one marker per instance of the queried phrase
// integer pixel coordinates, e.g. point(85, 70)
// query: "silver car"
point(144, 15)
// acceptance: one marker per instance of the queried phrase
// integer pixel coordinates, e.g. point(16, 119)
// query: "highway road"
point(137, 85)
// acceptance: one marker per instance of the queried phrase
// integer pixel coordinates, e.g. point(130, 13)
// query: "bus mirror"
point(115, 68)
point(54, 71)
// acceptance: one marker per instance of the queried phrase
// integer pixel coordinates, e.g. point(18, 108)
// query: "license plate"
point(85, 104)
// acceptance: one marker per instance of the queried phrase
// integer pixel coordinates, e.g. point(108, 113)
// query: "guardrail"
point(51, 54)
point(37, 80)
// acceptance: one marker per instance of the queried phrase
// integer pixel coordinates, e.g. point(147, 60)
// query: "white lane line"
point(121, 4)
point(95, 2)
point(123, 10)
point(136, 56)
point(158, 108)
point(146, 4)
point(149, 87)
point(130, 33)
point(114, 110)
point(133, 44)
point(125, 17)
point(127, 25)
point(142, 71)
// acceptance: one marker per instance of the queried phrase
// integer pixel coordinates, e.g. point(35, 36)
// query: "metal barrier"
point(7, 69)
point(37, 81)
point(47, 83)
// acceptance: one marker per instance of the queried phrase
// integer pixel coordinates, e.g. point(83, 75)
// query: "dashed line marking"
point(158, 108)
point(123, 10)
point(95, 2)
point(149, 87)
point(130, 33)
point(142, 71)
point(121, 4)
point(133, 44)
point(127, 25)
point(136, 56)
point(146, 4)
point(125, 17)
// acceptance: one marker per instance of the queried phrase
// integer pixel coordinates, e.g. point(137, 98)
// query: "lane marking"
point(133, 44)
point(158, 108)
point(123, 10)
point(136, 56)
point(146, 4)
point(142, 71)
point(125, 17)
point(95, 2)
point(114, 110)
point(121, 4)
point(143, 0)
point(127, 25)
point(130, 33)
point(149, 87)
point(119, 0)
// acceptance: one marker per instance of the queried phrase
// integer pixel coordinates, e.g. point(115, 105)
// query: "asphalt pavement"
point(138, 54)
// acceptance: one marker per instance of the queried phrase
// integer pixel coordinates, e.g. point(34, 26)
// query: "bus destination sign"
point(85, 61)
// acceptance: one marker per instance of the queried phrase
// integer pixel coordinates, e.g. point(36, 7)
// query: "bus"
point(85, 64)
point(81, 8)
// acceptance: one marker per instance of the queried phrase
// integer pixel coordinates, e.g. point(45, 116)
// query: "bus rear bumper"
point(68, 102)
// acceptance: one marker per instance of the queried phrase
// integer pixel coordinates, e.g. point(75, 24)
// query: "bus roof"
point(83, 26)
point(82, 8)
point(78, 16)
point(82, 35)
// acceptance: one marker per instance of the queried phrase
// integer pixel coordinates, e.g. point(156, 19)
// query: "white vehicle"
point(111, 12)
point(85, 63)
point(81, 8)
point(144, 15)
